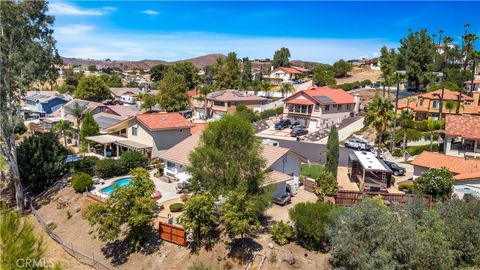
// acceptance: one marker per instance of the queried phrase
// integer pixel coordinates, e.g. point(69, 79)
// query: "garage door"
point(302, 120)
point(312, 125)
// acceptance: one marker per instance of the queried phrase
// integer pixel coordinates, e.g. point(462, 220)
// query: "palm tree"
point(475, 56)
point(265, 86)
point(446, 42)
point(64, 127)
point(204, 91)
point(449, 105)
point(380, 115)
point(468, 42)
point(286, 89)
point(78, 112)
point(397, 78)
point(405, 121)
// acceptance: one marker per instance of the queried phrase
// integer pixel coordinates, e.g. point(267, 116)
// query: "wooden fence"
point(172, 233)
point(348, 198)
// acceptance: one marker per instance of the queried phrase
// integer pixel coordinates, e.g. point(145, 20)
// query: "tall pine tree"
point(332, 151)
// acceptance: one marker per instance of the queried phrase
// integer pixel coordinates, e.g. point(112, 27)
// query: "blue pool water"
point(120, 182)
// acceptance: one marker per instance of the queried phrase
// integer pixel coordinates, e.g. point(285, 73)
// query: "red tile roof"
point(339, 96)
point(447, 95)
point(299, 101)
point(156, 121)
point(466, 125)
point(462, 168)
point(290, 70)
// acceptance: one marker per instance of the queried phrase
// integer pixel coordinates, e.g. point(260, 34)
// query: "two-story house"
point(427, 106)
point(320, 107)
point(44, 103)
point(462, 135)
point(125, 94)
point(149, 133)
point(282, 165)
point(224, 102)
point(287, 74)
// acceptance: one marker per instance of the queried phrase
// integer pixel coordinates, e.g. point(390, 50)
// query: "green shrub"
point(269, 113)
point(312, 171)
point(133, 159)
point(200, 266)
point(81, 182)
point(406, 186)
point(435, 182)
point(109, 168)
point(311, 221)
point(418, 149)
point(85, 165)
point(397, 153)
point(177, 207)
point(325, 184)
point(282, 233)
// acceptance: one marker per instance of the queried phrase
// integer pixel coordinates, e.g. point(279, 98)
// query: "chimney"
point(356, 98)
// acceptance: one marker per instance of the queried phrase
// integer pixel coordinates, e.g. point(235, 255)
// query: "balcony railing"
point(300, 109)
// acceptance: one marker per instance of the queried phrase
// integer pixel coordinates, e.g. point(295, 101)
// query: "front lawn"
point(312, 171)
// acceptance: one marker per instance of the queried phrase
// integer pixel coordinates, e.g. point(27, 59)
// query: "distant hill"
point(199, 62)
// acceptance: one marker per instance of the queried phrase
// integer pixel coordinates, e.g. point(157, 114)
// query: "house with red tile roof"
point(320, 107)
point(286, 74)
point(149, 133)
point(427, 105)
point(462, 135)
point(466, 171)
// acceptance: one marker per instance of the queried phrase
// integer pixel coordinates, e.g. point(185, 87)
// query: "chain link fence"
point(68, 247)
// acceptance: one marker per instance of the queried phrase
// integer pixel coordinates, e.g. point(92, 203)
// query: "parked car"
point(397, 170)
point(283, 124)
point(298, 132)
point(296, 124)
point(283, 200)
point(357, 143)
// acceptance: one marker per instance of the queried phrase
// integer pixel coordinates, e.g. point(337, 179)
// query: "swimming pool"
point(120, 182)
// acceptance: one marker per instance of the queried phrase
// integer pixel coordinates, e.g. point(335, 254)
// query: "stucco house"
point(462, 135)
point(287, 74)
point(45, 102)
point(104, 115)
point(125, 94)
point(149, 133)
point(282, 164)
point(223, 102)
point(320, 107)
point(466, 171)
point(427, 106)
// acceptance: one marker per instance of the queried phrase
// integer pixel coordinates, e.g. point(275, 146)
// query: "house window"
point(468, 103)
point(436, 104)
point(317, 107)
point(339, 107)
point(349, 106)
point(327, 107)
point(421, 102)
point(134, 131)
point(180, 130)
point(170, 166)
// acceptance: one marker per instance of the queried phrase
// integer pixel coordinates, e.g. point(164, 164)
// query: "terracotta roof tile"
point(447, 95)
point(464, 169)
point(155, 121)
point(193, 93)
point(299, 101)
point(289, 70)
point(466, 125)
point(339, 96)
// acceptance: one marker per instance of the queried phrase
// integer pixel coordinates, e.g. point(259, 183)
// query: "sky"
point(313, 31)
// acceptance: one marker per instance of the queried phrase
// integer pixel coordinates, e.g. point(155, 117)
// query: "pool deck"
point(167, 189)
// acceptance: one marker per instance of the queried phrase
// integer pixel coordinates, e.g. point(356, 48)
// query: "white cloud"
point(74, 30)
point(183, 45)
point(63, 8)
point(150, 12)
